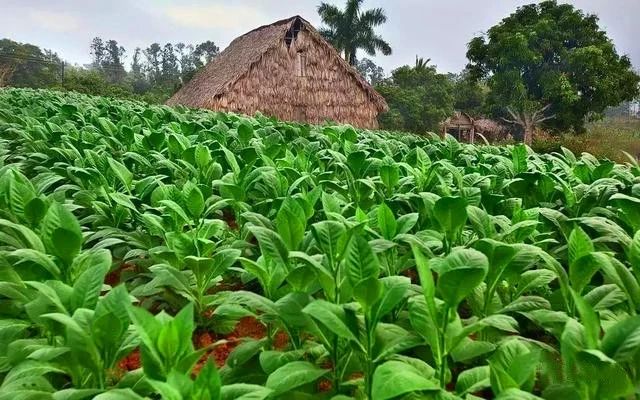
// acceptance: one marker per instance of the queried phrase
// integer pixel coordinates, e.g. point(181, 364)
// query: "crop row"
point(156, 252)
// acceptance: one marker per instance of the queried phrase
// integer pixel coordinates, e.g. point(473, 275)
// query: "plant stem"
point(443, 352)
point(368, 363)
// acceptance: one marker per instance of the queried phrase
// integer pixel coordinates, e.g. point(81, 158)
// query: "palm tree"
point(421, 63)
point(350, 29)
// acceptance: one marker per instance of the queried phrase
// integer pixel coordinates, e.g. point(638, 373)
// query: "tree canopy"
point(550, 63)
point(419, 98)
point(23, 64)
point(351, 29)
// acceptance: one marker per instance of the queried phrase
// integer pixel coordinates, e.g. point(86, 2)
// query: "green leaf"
point(207, 385)
point(451, 214)
point(194, 199)
point(121, 172)
point(271, 244)
point(203, 156)
point(61, 233)
point(589, 319)
point(244, 391)
point(332, 316)
point(580, 245)
point(621, 342)
point(272, 360)
point(634, 255)
point(386, 221)
point(473, 380)
point(360, 262)
point(291, 223)
point(519, 157)
point(86, 290)
point(293, 375)
point(463, 270)
point(389, 175)
point(367, 292)
point(396, 378)
point(327, 235)
point(35, 210)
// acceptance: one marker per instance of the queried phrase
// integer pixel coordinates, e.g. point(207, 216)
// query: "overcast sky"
point(436, 29)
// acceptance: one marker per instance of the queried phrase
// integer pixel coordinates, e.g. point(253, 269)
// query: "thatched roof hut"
point(287, 70)
point(460, 124)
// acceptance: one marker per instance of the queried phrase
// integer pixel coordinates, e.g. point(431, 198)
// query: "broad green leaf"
point(121, 172)
point(386, 221)
point(332, 316)
point(61, 233)
point(360, 262)
point(291, 222)
point(293, 375)
point(396, 378)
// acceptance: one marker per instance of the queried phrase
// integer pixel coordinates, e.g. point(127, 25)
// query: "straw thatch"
point(286, 70)
point(492, 130)
point(460, 125)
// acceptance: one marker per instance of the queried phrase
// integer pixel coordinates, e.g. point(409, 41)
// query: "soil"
point(229, 218)
point(113, 278)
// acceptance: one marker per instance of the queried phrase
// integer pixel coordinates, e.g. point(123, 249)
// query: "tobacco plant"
point(368, 264)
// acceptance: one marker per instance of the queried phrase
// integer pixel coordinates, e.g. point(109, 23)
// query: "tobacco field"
point(166, 253)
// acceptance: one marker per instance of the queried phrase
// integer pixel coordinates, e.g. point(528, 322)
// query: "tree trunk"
point(528, 121)
point(528, 134)
point(352, 58)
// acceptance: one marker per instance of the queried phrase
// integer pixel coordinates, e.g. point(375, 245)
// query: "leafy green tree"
point(26, 65)
point(170, 68)
point(107, 56)
point(205, 52)
point(419, 98)
point(113, 65)
point(351, 29)
point(153, 56)
point(470, 95)
point(551, 63)
point(373, 73)
point(138, 78)
point(98, 52)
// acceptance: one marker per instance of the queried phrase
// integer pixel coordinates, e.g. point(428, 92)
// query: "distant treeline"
point(153, 74)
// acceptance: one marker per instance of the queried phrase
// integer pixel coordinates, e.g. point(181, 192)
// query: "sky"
point(435, 29)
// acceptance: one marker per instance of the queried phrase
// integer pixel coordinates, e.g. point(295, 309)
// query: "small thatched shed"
point(461, 125)
point(286, 70)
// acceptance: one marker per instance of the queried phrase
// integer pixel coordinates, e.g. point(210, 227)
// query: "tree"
point(113, 65)
point(550, 63)
point(169, 65)
point(419, 98)
point(370, 71)
point(350, 29)
point(153, 55)
point(26, 65)
point(139, 82)
point(205, 52)
point(98, 52)
point(470, 95)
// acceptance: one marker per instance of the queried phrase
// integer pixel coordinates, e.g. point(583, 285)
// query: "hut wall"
point(326, 92)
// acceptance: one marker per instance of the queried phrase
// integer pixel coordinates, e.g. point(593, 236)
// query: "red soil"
point(130, 362)
point(229, 218)
point(247, 327)
point(114, 277)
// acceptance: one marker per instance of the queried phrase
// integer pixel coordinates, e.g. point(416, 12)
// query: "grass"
point(604, 139)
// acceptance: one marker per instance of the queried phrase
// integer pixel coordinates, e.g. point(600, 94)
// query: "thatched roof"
point(459, 118)
point(243, 52)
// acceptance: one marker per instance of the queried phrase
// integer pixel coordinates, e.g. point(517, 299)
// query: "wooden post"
point(473, 134)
